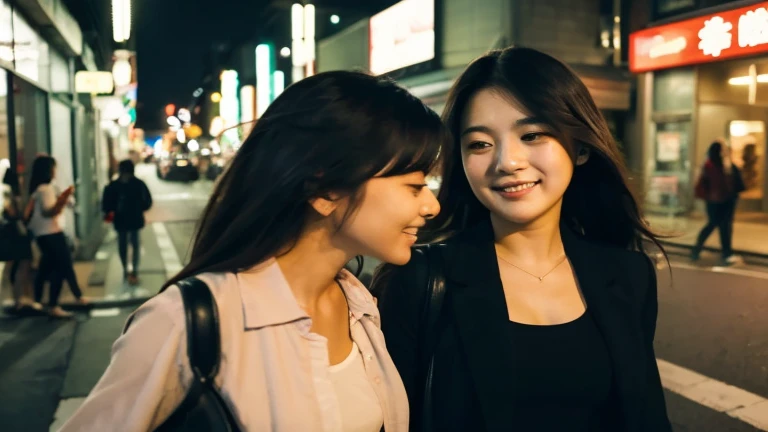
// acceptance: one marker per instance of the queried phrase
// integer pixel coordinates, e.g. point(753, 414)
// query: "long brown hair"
point(329, 133)
point(598, 202)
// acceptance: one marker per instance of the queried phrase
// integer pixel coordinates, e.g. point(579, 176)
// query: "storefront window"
point(60, 76)
point(670, 178)
point(674, 90)
point(5, 147)
point(30, 115)
point(6, 33)
point(30, 52)
point(748, 147)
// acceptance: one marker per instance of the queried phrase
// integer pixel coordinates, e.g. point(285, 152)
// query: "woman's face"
point(514, 165)
point(389, 215)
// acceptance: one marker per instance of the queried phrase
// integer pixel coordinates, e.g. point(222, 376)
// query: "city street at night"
point(521, 153)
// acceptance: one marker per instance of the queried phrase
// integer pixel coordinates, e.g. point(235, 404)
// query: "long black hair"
point(329, 133)
point(42, 172)
point(715, 153)
point(598, 202)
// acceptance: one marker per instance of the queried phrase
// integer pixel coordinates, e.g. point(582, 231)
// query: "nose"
point(430, 207)
point(511, 156)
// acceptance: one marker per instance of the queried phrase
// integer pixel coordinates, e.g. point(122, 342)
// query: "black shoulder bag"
point(203, 407)
point(431, 313)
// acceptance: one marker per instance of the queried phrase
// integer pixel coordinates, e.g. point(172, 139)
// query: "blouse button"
point(369, 357)
point(377, 380)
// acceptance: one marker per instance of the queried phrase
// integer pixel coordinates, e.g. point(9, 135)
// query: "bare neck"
point(312, 265)
point(535, 242)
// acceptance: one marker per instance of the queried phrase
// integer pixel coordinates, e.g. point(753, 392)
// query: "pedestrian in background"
point(334, 168)
point(45, 215)
point(719, 186)
point(15, 245)
point(538, 311)
point(124, 202)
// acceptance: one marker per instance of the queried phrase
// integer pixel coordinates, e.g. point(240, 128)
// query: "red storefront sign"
point(734, 33)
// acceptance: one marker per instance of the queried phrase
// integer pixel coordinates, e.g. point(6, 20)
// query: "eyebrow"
point(527, 121)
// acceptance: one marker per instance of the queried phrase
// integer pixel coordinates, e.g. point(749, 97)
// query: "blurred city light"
point(205, 151)
point(170, 109)
point(174, 122)
point(122, 72)
point(193, 145)
point(215, 147)
point(217, 127)
point(278, 78)
point(229, 108)
point(285, 52)
point(247, 103)
point(197, 92)
point(263, 78)
point(335, 19)
point(124, 120)
point(215, 97)
point(181, 136)
point(297, 21)
point(121, 20)
point(184, 115)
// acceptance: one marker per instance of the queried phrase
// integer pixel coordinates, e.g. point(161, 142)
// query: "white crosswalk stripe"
point(717, 395)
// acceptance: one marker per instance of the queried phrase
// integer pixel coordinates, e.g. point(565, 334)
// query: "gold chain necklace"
point(540, 278)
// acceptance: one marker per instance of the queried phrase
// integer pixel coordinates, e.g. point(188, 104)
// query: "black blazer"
point(470, 386)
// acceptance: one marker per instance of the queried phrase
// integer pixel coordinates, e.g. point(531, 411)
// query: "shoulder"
point(634, 269)
point(167, 307)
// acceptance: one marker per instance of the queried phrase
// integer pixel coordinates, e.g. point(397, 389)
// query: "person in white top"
point(44, 213)
point(335, 168)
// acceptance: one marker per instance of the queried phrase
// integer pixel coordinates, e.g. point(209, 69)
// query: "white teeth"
point(520, 187)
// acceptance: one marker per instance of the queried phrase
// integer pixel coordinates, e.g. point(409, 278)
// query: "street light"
point(121, 20)
point(335, 19)
point(285, 52)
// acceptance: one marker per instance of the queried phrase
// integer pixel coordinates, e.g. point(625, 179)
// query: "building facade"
point(41, 48)
point(702, 76)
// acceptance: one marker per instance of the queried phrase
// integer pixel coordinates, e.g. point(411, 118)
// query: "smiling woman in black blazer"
point(549, 305)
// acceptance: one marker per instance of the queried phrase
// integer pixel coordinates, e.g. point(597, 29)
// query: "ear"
point(582, 156)
point(324, 205)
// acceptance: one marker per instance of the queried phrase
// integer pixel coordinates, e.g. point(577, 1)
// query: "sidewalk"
point(750, 233)
point(101, 280)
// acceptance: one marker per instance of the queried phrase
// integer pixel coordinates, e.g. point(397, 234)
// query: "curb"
point(75, 307)
point(744, 253)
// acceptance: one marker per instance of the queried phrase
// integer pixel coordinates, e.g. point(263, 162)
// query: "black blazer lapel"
point(610, 301)
point(480, 310)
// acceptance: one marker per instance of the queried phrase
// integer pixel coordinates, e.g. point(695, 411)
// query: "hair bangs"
point(417, 146)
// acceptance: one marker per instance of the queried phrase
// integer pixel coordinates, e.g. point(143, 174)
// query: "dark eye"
point(417, 188)
point(477, 145)
point(533, 136)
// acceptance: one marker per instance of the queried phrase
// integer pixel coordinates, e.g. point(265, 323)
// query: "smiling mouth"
point(516, 187)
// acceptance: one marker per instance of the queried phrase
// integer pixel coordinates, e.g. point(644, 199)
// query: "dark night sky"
point(174, 40)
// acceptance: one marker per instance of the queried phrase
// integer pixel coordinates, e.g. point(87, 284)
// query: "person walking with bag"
point(124, 202)
point(44, 213)
point(719, 186)
point(534, 307)
point(264, 329)
point(15, 246)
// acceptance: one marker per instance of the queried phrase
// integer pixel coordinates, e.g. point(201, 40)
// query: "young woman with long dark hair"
point(46, 223)
point(335, 168)
point(549, 303)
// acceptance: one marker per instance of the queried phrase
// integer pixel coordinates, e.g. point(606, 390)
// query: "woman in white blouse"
point(335, 168)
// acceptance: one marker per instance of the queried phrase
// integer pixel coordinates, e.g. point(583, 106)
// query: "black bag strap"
point(433, 306)
point(203, 339)
point(204, 353)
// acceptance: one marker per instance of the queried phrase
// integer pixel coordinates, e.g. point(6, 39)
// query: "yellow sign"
point(93, 82)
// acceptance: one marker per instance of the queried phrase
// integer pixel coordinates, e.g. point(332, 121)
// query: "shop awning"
point(610, 87)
